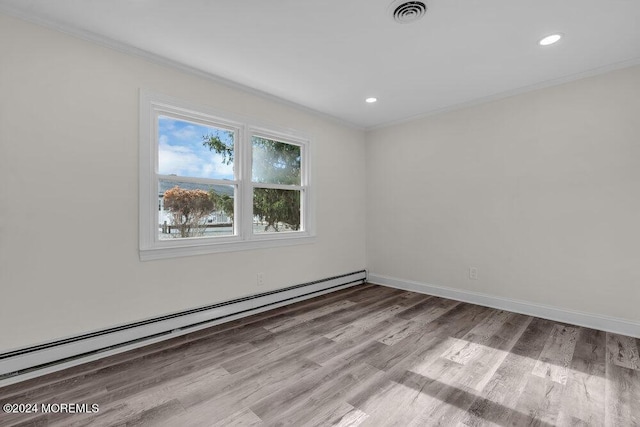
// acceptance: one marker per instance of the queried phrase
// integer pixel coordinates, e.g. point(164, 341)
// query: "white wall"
point(540, 192)
point(68, 148)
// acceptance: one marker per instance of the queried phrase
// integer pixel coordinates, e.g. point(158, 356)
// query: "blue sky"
point(181, 152)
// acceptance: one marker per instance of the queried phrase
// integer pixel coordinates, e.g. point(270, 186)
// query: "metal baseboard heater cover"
point(47, 355)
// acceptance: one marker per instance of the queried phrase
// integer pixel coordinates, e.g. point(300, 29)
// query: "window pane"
point(275, 162)
point(194, 150)
point(194, 210)
point(275, 210)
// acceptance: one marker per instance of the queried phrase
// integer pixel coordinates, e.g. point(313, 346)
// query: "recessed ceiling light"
point(371, 100)
point(550, 39)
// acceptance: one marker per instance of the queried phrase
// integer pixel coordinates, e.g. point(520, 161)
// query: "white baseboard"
point(589, 320)
point(21, 364)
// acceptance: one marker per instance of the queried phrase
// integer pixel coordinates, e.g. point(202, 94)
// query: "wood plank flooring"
point(368, 355)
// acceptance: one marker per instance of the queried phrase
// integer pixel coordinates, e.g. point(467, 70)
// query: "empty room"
point(339, 213)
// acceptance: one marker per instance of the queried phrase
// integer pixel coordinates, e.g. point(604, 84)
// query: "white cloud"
point(184, 161)
point(177, 160)
point(166, 124)
point(186, 133)
point(181, 152)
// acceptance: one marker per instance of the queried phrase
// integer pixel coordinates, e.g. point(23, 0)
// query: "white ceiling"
point(329, 55)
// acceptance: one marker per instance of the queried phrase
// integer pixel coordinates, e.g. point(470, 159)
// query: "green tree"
point(215, 143)
point(275, 162)
point(222, 202)
point(189, 210)
point(275, 206)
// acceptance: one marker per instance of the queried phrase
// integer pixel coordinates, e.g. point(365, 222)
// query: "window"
point(210, 183)
point(275, 175)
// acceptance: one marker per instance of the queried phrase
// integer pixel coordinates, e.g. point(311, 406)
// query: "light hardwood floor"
point(368, 355)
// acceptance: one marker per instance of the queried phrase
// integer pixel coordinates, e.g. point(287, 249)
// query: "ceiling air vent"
point(406, 12)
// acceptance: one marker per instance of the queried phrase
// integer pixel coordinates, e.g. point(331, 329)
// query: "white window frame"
point(151, 246)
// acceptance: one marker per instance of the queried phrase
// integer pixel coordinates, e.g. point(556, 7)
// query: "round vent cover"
point(406, 12)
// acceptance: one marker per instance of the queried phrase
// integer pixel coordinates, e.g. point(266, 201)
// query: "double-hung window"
point(210, 183)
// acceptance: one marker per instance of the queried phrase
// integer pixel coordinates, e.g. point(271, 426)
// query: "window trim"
point(153, 105)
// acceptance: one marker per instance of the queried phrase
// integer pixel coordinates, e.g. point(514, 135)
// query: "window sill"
point(203, 248)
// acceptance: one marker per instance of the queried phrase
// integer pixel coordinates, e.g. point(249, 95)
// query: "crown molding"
point(507, 94)
point(125, 48)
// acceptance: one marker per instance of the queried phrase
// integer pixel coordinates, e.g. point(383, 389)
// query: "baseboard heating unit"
point(24, 363)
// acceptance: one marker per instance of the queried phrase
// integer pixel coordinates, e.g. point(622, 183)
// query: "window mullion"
point(247, 188)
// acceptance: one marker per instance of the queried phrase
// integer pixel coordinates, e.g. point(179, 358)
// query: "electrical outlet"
point(473, 273)
point(260, 280)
